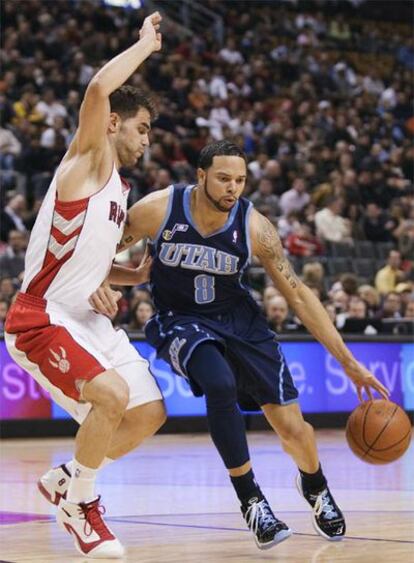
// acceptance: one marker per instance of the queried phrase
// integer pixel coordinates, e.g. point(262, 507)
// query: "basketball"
point(378, 432)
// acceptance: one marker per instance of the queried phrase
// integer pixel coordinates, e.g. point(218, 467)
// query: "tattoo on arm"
point(285, 268)
point(124, 243)
point(270, 248)
point(269, 243)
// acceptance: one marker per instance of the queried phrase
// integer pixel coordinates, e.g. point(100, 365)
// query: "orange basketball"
point(378, 431)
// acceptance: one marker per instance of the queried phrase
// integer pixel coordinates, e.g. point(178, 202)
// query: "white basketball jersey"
point(73, 244)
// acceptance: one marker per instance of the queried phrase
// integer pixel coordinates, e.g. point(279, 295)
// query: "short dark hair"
point(218, 148)
point(127, 100)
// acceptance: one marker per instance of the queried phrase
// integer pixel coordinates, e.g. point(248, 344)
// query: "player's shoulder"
point(157, 199)
point(148, 213)
point(153, 206)
point(164, 195)
point(259, 224)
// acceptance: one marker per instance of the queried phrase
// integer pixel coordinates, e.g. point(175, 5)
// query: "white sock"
point(106, 461)
point(82, 483)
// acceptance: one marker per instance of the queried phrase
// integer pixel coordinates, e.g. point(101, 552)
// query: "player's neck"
point(203, 212)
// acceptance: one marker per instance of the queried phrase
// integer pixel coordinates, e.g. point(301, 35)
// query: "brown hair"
point(127, 100)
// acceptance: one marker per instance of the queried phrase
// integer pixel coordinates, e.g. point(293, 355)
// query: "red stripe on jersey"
point(70, 209)
point(126, 186)
point(39, 284)
point(61, 238)
point(51, 265)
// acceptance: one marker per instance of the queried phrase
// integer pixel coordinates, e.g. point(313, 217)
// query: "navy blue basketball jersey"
point(198, 274)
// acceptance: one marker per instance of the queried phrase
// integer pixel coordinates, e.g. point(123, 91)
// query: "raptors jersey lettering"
point(73, 244)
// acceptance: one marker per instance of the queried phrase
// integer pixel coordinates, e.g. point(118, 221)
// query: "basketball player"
point(90, 369)
point(211, 331)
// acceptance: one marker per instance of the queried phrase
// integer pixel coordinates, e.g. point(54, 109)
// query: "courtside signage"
point(323, 386)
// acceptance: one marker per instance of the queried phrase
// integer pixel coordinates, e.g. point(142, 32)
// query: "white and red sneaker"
point(92, 536)
point(54, 484)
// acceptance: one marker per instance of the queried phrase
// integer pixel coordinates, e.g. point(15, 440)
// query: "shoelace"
point(93, 518)
point(259, 513)
point(324, 504)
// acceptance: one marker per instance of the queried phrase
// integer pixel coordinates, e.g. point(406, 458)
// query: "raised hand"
point(150, 28)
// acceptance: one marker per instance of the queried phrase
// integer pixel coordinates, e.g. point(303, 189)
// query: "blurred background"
point(318, 93)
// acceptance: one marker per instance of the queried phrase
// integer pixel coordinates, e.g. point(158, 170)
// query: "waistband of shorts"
point(41, 304)
point(31, 301)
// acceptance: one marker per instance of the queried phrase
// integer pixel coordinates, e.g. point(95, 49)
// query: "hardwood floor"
point(170, 501)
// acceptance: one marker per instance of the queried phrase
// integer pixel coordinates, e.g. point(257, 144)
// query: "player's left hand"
point(150, 28)
point(105, 300)
point(364, 379)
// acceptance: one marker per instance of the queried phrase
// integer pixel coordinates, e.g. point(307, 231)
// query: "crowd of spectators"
point(317, 94)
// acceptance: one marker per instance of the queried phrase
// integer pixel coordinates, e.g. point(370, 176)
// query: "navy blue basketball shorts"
point(248, 345)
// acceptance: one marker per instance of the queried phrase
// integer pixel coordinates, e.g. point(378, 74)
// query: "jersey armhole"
point(247, 234)
point(154, 241)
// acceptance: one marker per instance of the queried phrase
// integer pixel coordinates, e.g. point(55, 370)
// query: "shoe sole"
point(279, 537)
point(314, 522)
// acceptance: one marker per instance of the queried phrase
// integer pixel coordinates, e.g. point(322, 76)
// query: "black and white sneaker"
point(327, 517)
point(266, 528)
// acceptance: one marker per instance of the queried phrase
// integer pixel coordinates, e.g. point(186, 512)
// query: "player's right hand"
point(105, 300)
point(364, 380)
point(150, 28)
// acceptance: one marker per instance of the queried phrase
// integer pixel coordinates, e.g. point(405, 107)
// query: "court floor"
point(170, 501)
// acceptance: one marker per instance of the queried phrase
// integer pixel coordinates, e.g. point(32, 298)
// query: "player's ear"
point(114, 122)
point(201, 176)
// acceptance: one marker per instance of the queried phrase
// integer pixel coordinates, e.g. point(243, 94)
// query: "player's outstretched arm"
point(95, 109)
point(267, 247)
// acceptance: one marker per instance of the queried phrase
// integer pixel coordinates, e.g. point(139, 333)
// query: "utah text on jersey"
point(198, 257)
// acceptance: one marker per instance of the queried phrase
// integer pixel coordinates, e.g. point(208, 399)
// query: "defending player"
point(90, 369)
point(212, 332)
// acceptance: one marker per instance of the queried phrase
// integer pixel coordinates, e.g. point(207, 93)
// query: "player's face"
point(133, 137)
point(224, 181)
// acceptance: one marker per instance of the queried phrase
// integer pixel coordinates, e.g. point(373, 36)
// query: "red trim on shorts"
point(61, 359)
point(31, 301)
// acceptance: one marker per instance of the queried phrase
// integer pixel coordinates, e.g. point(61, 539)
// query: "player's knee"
point(221, 394)
point(146, 419)
point(114, 400)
